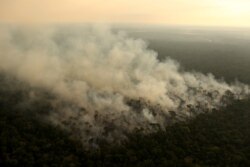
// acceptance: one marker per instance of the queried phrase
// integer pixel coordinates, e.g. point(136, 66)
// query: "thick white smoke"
point(111, 83)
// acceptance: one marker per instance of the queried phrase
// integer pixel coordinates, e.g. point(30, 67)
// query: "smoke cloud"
point(107, 83)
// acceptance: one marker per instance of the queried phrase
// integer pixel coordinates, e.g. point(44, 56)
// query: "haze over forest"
point(167, 83)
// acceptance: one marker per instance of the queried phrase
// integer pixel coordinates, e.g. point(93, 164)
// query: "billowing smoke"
point(106, 83)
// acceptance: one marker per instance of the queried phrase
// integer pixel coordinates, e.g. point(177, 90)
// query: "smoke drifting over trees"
point(105, 84)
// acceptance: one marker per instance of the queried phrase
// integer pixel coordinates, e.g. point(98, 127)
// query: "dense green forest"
point(219, 138)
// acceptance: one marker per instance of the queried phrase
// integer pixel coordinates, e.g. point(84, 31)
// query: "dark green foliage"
point(26, 142)
point(25, 138)
point(220, 138)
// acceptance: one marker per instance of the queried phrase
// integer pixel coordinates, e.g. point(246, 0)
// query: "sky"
point(167, 12)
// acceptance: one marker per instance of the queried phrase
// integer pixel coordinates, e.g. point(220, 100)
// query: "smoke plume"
point(106, 83)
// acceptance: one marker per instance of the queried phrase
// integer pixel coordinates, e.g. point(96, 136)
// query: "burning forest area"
point(98, 84)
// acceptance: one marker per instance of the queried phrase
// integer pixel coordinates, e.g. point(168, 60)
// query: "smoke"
point(106, 83)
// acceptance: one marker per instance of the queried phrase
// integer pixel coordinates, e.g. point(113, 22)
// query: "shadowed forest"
point(209, 130)
point(219, 138)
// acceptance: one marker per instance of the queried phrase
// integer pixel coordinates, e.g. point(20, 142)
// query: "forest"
point(217, 138)
point(123, 83)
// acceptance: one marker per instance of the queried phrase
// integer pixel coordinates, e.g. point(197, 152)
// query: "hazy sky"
point(190, 12)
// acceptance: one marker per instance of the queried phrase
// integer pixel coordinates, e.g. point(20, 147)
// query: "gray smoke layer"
point(107, 83)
